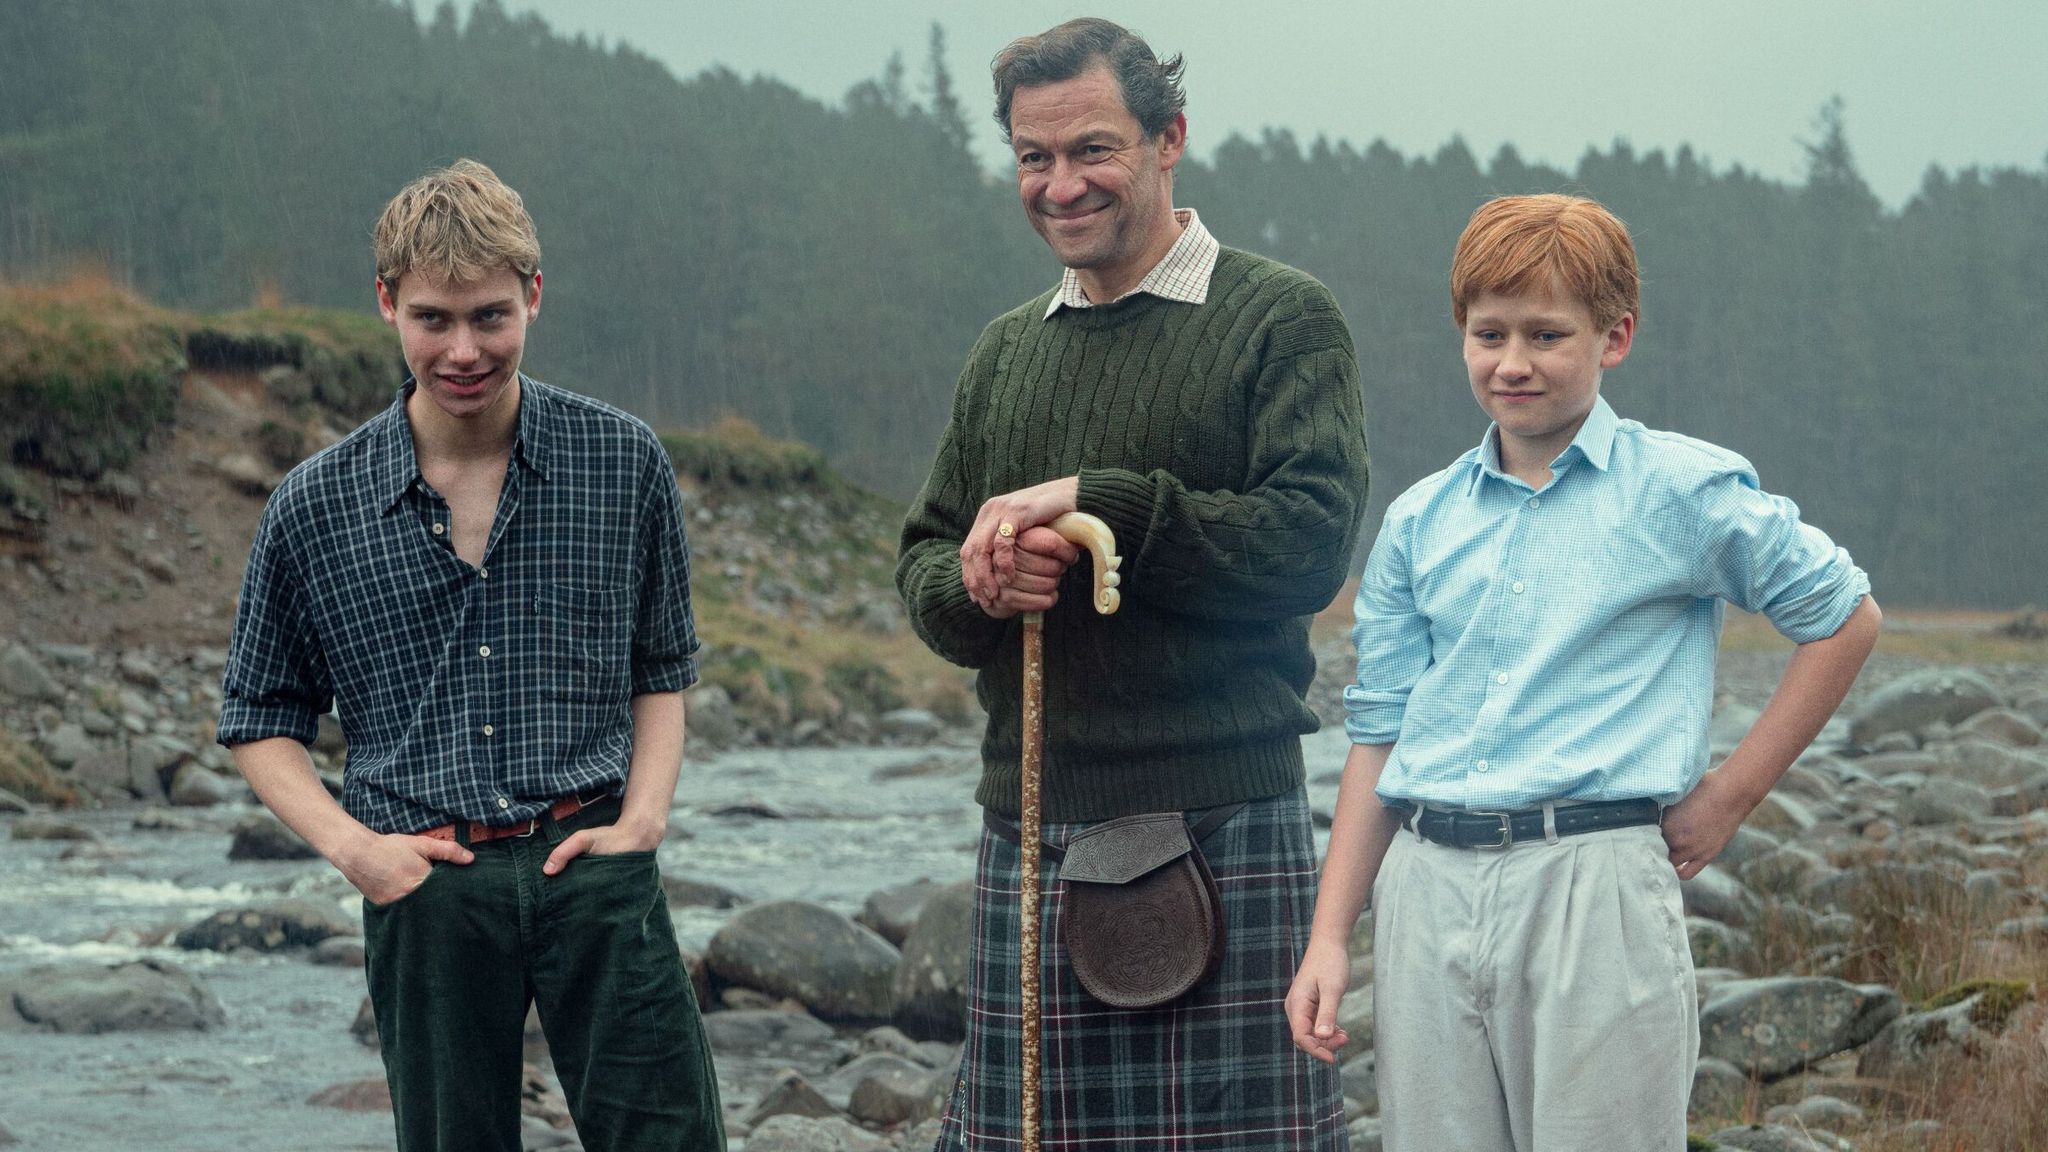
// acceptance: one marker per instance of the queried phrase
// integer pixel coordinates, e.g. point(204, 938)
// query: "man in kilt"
point(1203, 402)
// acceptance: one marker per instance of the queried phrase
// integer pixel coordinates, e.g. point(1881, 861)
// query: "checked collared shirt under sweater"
point(476, 692)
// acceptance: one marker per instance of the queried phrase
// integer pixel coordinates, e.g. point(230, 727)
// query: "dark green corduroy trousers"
point(454, 964)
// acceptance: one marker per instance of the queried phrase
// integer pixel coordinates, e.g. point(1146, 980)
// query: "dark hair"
point(1151, 86)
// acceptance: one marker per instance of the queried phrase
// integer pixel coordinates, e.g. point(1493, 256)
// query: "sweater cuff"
point(1124, 500)
point(953, 623)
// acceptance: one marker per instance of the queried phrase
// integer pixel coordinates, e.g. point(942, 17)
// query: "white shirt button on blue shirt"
point(504, 803)
point(488, 730)
point(1480, 766)
point(1604, 682)
point(484, 650)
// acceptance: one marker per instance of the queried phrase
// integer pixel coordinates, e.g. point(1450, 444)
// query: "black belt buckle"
point(1507, 832)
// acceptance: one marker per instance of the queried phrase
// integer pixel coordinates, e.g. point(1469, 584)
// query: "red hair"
point(1565, 244)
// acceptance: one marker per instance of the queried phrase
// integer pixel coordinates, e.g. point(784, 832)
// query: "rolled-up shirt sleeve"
point(277, 681)
point(665, 633)
point(1754, 551)
point(1392, 640)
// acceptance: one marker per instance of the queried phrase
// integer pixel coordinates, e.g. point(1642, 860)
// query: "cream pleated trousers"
point(1538, 998)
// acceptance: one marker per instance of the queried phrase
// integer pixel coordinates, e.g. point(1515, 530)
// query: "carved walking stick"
point(1091, 533)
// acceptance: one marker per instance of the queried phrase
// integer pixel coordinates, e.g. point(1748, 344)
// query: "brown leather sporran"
point(1141, 918)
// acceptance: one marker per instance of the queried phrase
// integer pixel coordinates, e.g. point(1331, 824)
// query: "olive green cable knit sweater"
point(1224, 444)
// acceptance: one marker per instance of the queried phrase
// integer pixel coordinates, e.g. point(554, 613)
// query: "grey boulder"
point(885, 1090)
point(270, 927)
point(23, 677)
point(804, 1134)
point(1943, 800)
point(1913, 701)
point(1919, 1044)
point(930, 984)
point(1773, 1138)
point(1717, 895)
point(834, 967)
point(1778, 1025)
point(789, 1094)
point(766, 1032)
point(146, 995)
point(262, 836)
point(892, 912)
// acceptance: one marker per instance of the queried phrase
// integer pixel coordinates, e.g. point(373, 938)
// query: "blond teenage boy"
point(489, 578)
point(1536, 630)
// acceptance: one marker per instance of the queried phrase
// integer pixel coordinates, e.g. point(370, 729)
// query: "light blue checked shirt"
point(475, 693)
point(1519, 645)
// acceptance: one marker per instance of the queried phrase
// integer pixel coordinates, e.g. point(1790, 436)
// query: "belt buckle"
point(532, 826)
point(1507, 833)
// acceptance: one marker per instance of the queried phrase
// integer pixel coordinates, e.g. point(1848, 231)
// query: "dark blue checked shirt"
point(480, 693)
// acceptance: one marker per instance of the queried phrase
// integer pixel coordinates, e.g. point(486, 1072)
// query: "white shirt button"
point(488, 730)
point(1517, 586)
point(486, 574)
point(504, 803)
point(1535, 502)
point(484, 650)
point(1481, 765)
point(1500, 678)
point(439, 528)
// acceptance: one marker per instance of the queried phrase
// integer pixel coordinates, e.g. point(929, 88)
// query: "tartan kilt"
point(1215, 1071)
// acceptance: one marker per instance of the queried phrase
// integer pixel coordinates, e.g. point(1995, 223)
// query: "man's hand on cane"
point(1040, 557)
point(988, 556)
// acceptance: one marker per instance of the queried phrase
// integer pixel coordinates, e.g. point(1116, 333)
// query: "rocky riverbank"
point(1871, 948)
point(177, 972)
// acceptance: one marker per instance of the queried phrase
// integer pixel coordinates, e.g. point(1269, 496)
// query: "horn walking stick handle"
point(1091, 533)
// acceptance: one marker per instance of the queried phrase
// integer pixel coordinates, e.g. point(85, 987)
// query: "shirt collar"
point(1595, 444)
point(398, 464)
point(1181, 275)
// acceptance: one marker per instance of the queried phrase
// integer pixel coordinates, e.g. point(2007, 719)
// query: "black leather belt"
point(1500, 829)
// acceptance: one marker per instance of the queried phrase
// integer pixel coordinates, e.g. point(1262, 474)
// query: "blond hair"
point(457, 224)
point(1567, 244)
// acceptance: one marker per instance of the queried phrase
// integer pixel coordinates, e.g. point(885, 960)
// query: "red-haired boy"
point(1536, 630)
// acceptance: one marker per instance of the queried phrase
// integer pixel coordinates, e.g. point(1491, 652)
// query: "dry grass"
point(1992, 1100)
point(1914, 933)
point(90, 373)
point(798, 672)
point(1937, 637)
point(1935, 948)
point(24, 772)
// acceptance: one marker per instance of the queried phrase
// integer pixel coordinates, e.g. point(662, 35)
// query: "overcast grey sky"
point(1955, 83)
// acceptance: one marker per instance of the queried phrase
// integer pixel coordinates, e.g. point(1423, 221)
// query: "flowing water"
point(827, 825)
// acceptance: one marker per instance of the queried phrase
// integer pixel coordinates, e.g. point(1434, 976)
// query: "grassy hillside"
point(119, 415)
point(90, 374)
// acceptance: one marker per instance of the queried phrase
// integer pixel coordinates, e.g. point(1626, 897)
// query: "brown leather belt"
point(479, 833)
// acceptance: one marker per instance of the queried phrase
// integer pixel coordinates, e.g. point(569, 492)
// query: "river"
point(846, 822)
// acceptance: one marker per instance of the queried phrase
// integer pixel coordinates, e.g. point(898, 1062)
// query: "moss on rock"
point(2001, 998)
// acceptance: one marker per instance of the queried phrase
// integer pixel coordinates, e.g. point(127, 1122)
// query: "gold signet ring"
point(1006, 530)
